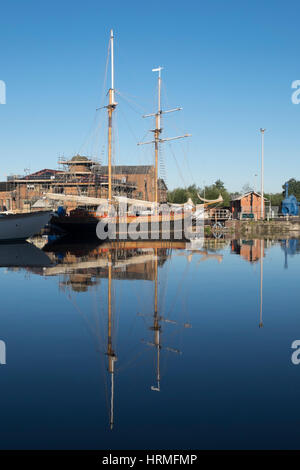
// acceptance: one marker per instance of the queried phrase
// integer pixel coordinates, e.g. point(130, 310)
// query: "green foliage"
point(294, 188)
point(214, 190)
point(275, 198)
point(181, 195)
point(219, 185)
point(177, 196)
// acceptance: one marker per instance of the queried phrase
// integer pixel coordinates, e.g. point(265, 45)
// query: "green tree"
point(275, 198)
point(294, 187)
point(213, 192)
point(181, 195)
point(219, 185)
point(177, 196)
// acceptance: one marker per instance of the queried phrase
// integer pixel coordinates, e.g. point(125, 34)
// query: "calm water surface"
point(143, 346)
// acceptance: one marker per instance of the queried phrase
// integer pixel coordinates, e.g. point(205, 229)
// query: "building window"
point(59, 190)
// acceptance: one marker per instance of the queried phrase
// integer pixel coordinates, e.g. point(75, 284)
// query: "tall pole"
point(262, 131)
point(157, 132)
point(110, 108)
point(112, 64)
point(157, 140)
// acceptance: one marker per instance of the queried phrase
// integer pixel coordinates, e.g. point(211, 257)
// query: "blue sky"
point(229, 64)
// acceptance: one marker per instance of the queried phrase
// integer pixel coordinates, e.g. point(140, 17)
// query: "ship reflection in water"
point(108, 326)
point(82, 266)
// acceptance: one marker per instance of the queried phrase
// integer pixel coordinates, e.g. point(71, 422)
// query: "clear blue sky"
point(229, 64)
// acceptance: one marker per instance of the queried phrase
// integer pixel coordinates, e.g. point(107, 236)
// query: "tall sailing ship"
point(115, 216)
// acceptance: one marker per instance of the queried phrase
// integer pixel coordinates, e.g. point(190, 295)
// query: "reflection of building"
point(82, 267)
point(79, 282)
point(250, 250)
point(81, 176)
point(247, 206)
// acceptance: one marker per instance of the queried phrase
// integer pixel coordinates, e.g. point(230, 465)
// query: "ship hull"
point(126, 228)
point(19, 227)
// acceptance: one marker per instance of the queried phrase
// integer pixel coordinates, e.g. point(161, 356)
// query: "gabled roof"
point(238, 198)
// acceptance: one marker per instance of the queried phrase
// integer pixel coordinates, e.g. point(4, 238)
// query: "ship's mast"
point(156, 326)
point(112, 358)
point(110, 108)
point(157, 131)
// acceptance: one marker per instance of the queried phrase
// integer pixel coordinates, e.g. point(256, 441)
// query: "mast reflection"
point(81, 267)
point(261, 283)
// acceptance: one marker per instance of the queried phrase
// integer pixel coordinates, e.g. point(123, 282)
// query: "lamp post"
point(262, 131)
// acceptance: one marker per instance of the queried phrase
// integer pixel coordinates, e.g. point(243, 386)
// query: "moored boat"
point(19, 227)
point(82, 224)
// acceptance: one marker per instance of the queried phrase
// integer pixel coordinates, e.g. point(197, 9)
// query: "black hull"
point(80, 229)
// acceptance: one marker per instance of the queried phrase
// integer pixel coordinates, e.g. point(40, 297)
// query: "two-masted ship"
point(119, 217)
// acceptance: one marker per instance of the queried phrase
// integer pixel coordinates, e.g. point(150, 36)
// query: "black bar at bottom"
point(132, 458)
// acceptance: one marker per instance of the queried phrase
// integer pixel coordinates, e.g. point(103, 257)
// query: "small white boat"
point(22, 226)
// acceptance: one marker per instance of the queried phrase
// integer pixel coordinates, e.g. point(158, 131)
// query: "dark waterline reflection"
point(142, 345)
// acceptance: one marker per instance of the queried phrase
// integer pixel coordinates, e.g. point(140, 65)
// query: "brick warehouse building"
point(247, 205)
point(81, 176)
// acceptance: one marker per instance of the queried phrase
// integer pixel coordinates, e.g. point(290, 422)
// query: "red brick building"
point(247, 205)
